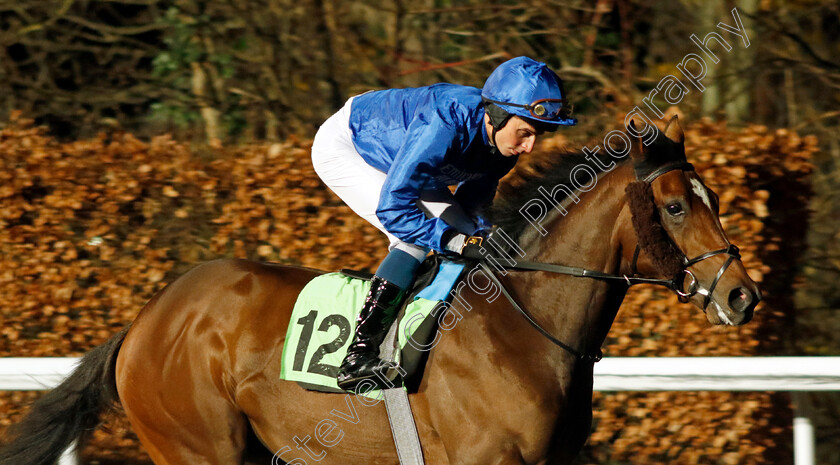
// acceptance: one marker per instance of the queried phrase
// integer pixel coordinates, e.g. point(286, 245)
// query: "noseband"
point(676, 283)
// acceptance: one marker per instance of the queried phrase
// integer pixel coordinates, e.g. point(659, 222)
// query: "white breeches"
point(359, 185)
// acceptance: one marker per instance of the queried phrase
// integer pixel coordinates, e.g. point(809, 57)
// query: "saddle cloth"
point(324, 320)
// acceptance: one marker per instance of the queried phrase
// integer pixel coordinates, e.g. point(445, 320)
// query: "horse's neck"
point(578, 311)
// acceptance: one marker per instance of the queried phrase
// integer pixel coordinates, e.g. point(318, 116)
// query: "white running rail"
point(789, 374)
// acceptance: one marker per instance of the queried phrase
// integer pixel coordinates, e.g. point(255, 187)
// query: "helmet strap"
point(494, 149)
point(496, 128)
point(499, 117)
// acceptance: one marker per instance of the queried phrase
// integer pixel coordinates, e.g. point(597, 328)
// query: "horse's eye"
point(674, 209)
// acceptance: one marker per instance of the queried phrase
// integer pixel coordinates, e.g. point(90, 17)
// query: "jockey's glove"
point(483, 226)
point(466, 246)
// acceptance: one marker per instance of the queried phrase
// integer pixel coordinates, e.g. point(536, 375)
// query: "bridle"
point(676, 283)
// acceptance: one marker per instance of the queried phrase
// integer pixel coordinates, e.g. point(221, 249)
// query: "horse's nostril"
point(741, 299)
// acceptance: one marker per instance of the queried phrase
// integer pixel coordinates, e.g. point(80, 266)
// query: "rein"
point(676, 284)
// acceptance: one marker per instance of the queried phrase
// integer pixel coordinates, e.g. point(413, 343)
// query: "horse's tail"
point(68, 412)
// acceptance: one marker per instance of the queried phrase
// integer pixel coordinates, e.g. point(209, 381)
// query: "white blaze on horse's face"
point(698, 188)
point(717, 312)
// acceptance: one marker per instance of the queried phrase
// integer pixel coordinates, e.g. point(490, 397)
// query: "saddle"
point(324, 319)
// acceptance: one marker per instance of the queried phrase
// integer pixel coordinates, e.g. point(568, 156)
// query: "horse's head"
point(678, 232)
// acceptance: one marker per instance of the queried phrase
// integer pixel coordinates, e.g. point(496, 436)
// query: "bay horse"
point(198, 371)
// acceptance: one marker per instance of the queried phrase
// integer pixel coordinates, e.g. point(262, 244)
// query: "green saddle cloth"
point(324, 320)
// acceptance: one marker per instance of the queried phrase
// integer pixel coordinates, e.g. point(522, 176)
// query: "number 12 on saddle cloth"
point(324, 319)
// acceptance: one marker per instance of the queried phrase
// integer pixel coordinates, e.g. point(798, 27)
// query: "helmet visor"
point(547, 109)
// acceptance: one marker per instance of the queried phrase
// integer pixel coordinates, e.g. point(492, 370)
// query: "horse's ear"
point(637, 146)
point(674, 131)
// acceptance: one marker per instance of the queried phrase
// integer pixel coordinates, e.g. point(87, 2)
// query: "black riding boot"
point(379, 310)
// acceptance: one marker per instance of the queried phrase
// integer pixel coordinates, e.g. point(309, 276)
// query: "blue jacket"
point(426, 138)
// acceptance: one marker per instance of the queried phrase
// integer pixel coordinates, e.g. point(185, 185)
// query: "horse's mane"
point(554, 167)
point(545, 170)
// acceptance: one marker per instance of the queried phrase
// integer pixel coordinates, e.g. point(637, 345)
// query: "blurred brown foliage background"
point(142, 137)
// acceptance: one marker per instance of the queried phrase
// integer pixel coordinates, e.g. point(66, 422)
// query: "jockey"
point(391, 156)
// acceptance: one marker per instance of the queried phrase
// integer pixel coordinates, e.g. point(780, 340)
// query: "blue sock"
point(398, 268)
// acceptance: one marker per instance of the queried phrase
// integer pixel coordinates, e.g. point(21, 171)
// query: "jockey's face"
point(515, 138)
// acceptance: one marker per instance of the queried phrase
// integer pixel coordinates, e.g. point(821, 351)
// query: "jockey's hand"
point(483, 226)
point(473, 247)
point(466, 246)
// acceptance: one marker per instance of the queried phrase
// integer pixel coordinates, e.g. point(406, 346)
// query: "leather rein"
point(676, 284)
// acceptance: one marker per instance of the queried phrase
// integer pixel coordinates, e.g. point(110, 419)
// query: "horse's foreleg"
point(572, 434)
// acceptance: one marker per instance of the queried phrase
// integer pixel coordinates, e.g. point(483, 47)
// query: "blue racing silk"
point(426, 138)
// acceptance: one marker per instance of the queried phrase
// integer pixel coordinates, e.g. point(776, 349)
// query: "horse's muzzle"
point(743, 301)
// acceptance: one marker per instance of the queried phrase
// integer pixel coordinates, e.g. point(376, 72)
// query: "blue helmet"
point(528, 89)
